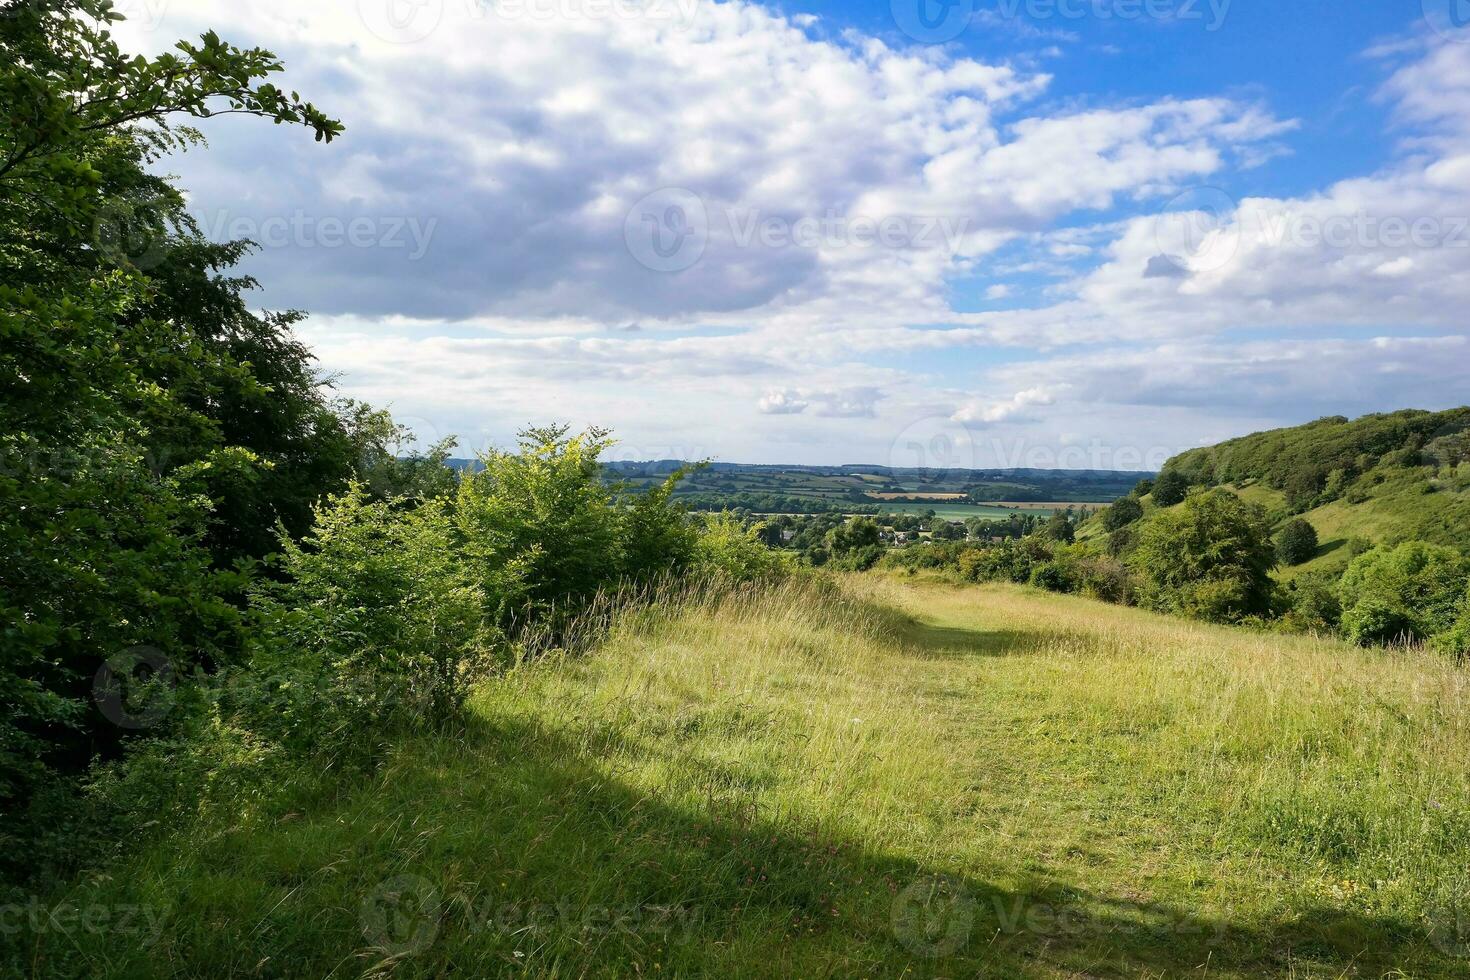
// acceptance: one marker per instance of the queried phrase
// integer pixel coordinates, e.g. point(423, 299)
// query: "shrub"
point(1456, 639)
point(1051, 576)
point(658, 536)
point(1122, 541)
point(1297, 542)
point(728, 551)
point(1122, 513)
point(1413, 592)
point(1170, 488)
point(1061, 529)
point(1210, 558)
point(1143, 488)
point(378, 595)
point(546, 510)
point(1106, 579)
point(856, 534)
point(1312, 605)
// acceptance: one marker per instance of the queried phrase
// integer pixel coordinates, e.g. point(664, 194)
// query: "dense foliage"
point(207, 561)
point(1323, 459)
point(1413, 592)
point(1297, 542)
point(1209, 558)
point(152, 429)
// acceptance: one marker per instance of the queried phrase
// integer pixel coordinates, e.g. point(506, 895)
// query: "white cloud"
point(783, 402)
point(1017, 408)
point(525, 141)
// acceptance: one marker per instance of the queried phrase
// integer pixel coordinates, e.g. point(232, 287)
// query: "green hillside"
point(1382, 479)
point(901, 779)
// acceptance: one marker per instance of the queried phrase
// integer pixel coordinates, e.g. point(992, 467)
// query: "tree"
point(1297, 543)
point(1413, 592)
point(149, 423)
point(1123, 512)
point(1143, 488)
point(1210, 558)
point(856, 534)
point(1170, 488)
point(1060, 528)
point(949, 531)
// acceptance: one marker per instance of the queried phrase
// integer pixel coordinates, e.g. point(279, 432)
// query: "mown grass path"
point(899, 778)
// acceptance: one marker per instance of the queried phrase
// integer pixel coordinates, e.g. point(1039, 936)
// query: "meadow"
point(865, 776)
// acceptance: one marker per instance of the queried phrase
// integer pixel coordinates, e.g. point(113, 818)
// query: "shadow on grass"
point(515, 850)
point(948, 641)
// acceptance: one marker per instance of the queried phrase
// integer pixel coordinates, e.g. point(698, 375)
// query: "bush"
point(1122, 513)
point(545, 511)
point(1210, 558)
point(728, 551)
point(1312, 605)
point(1122, 541)
point(1105, 579)
point(1059, 528)
point(658, 537)
point(1170, 488)
point(1051, 576)
point(379, 596)
point(1456, 639)
point(856, 534)
point(1297, 543)
point(1413, 592)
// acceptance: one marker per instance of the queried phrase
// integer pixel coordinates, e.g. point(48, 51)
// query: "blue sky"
point(1009, 232)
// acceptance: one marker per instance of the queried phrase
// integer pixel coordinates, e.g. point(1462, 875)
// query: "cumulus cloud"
point(831, 196)
point(1017, 408)
point(783, 402)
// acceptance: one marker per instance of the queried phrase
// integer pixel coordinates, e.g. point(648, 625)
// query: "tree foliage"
point(1170, 488)
point(1413, 592)
point(152, 429)
point(1210, 558)
point(1297, 542)
point(1121, 513)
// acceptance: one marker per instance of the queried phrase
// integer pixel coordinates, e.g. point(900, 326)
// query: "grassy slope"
point(1110, 793)
point(1396, 509)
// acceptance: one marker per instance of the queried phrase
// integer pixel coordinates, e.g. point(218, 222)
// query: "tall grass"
point(871, 778)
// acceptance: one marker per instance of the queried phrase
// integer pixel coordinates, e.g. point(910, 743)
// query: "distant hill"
point(1380, 479)
point(793, 489)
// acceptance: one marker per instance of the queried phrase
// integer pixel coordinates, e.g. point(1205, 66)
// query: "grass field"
point(896, 778)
